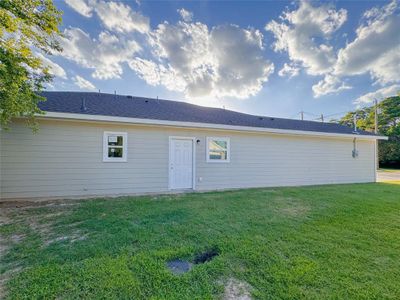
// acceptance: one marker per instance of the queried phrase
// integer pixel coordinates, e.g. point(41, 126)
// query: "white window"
point(115, 146)
point(218, 149)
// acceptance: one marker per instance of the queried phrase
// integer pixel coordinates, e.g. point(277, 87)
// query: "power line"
point(335, 114)
point(295, 115)
point(323, 117)
point(311, 114)
point(317, 117)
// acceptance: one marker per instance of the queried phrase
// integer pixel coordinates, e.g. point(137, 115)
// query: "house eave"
point(179, 124)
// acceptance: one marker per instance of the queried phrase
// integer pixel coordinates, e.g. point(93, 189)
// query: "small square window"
point(218, 149)
point(115, 146)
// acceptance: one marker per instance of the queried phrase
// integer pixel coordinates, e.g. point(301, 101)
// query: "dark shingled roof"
point(146, 108)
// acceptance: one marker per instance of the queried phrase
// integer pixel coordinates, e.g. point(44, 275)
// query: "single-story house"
point(91, 144)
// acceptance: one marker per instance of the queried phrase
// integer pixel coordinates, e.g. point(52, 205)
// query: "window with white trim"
point(218, 149)
point(115, 146)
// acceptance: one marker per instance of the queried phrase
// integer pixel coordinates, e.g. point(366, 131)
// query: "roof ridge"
point(188, 104)
point(173, 110)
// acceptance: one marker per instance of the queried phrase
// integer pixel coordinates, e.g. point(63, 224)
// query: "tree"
point(26, 28)
point(389, 125)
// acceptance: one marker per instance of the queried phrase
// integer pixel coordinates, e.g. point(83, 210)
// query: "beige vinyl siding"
point(65, 158)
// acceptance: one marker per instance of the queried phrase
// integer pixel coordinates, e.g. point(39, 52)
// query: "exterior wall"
point(66, 159)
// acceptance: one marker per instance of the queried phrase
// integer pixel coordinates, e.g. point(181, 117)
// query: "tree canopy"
point(27, 27)
point(388, 124)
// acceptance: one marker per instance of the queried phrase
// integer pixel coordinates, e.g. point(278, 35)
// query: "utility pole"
point(376, 116)
point(302, 115)
point(355, 122)
point(322, 118)
point(376, 132)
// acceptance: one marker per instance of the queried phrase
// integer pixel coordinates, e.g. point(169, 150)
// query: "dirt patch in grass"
point(296, 211)
point(40, 217)
point(10, 269)
point(5, 219)
point(292, 207)
point(54, 214)
point(17, 238)
point(42, 228)
point(237, 290)
point(45, 225)
point(4, 245)
point(72, 238)
point(37, 203)
point(20, 220)
point(8, 241)
point(5, 277)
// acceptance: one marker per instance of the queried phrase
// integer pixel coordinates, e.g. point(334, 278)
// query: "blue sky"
point(271, 58)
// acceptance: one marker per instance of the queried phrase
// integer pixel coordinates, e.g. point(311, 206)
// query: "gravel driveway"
point(388, 176)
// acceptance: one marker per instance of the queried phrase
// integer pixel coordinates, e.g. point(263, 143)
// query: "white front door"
point(181, 163)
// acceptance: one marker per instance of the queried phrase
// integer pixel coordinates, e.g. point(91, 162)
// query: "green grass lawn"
point(325, 242)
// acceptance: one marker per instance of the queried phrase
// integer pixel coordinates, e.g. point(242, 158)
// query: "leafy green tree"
point(26, 28)
point(388, 124)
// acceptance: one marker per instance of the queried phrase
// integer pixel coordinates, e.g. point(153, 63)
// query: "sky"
point(273, 58)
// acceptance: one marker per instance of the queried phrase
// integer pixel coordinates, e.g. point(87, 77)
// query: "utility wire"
point(311, 114)
point(317, 117)
point(335, 114)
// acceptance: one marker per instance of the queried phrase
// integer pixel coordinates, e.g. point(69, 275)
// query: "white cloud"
point(157, 74)
point(82, 83)
point(305, 33)
point(223, 61)
point(290, 70)
point(115, 16)
point(54, 69)
point(105, 55)
point(81, 6)
point(376, 48)
point(330, 84)
point(380, 94)
point(121, 18)
point(186, 16)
